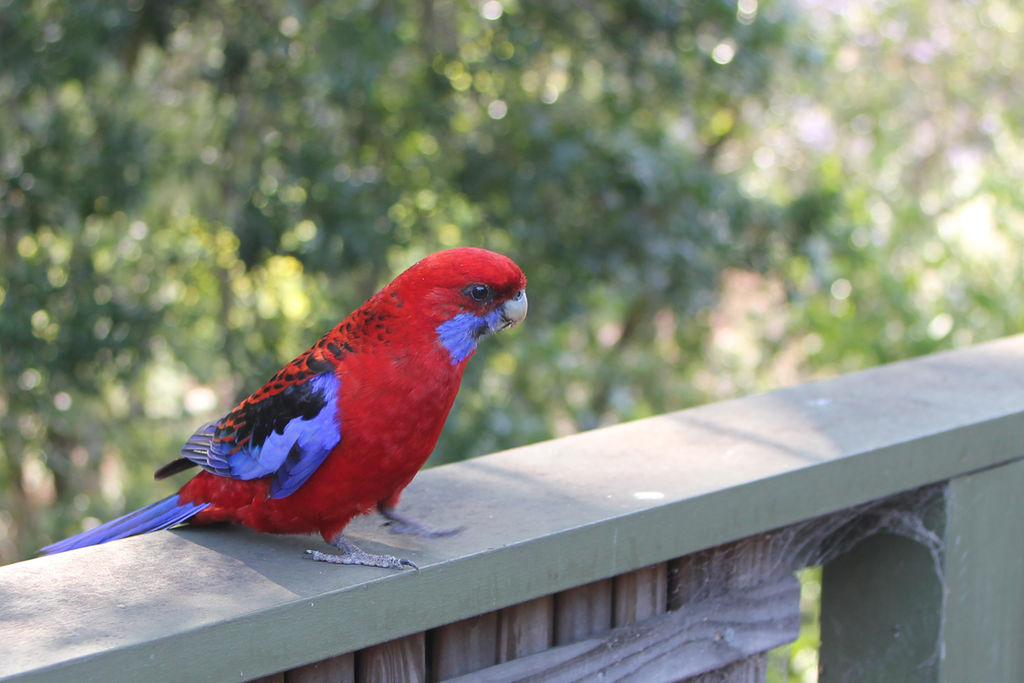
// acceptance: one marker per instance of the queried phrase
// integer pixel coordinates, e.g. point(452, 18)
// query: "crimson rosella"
point(344, 427)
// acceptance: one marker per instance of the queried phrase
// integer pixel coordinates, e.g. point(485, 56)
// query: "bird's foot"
point(400, 524)
point(365, 559)
point(352, 554)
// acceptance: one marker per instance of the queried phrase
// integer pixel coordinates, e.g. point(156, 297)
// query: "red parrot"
point(344, 427)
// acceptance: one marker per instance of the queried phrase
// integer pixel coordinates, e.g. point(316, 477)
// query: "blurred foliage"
point(708, 199)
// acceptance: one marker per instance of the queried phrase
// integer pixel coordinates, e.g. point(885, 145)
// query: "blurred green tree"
point(708, 199)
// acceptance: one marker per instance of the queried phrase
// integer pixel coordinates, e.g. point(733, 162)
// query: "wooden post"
point(881, 610)
point(984, 576)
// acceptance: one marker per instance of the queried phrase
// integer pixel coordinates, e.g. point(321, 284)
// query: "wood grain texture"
point(640, 594)
point(526, 628)
point(399, 661)
point(583, 612)
point(690, 578)
point(465, 646)
point(728, 569)
point(705, 636)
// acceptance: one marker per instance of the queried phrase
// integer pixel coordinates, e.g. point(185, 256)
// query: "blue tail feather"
point(162, 514)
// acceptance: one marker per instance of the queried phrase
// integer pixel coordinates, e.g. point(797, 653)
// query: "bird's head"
point(464, 294)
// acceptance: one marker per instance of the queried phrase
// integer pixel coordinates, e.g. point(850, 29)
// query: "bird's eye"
point(479, 293)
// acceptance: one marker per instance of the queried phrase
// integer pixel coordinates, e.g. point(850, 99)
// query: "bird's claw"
point(359, 557)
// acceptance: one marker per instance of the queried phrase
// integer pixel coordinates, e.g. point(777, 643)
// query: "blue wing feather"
point(287, 434)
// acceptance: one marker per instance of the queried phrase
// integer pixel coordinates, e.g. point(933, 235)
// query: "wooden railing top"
point(226, 603)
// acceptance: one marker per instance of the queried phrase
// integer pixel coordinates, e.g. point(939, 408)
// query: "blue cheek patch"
point(460, 334)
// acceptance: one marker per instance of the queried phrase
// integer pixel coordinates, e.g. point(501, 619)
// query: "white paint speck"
point(648, 495)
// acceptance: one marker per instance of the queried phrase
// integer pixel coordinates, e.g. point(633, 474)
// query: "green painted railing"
point(659, 549)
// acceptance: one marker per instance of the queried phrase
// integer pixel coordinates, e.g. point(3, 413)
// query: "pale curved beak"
point(513, 311)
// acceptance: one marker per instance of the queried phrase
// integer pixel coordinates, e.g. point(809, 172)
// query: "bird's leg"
point(351, 554)
point(400, 524)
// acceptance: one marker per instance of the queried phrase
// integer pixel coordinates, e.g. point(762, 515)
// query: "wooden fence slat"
point(703, 637)
point(465, 646)
point(640, 594)
point(402, 660)
point(526, 628)
point(733, 567)
point(689, 579)
point(340, 669)
point(583, 612)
